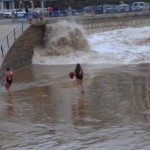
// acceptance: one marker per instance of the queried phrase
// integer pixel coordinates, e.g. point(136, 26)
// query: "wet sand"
point(47, 110)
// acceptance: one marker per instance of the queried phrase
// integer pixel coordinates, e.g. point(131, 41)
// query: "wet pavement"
point(47, 110)
point(9, 30)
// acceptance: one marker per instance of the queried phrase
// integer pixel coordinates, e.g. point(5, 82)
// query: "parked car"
point(139, 6)
point(98, 9)
point(88, 9)
point(8, 14)
point(19, 12)
point(77, 12)
point(110, 8)
point(121, 8)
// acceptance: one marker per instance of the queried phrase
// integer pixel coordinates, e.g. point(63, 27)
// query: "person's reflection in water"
point(10, 107)
point(81, 106)
point(79, 109)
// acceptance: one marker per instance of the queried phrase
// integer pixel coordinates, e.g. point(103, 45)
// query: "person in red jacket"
point(50, 11)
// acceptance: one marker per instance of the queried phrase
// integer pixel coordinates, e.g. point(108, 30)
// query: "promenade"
point(7, 27)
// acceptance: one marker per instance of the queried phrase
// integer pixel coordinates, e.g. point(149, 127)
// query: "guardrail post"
point(14, 34)
point(7, 41)
point(30, 18)
point(2, 51)
point(22, 27)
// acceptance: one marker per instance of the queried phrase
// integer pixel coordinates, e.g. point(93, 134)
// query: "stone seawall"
point(106, 22)
point(21, 52)
point(116, 21)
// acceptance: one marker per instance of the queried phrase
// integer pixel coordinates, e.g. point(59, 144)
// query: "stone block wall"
point(21, 52)
point(115, 21)
point(106, 22)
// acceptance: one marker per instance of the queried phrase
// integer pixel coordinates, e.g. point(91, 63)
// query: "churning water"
point(46, 110)
point(67, 43)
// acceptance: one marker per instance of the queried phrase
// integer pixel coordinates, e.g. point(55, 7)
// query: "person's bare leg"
point(81, 84)
point(7, 87)
point(9, 91)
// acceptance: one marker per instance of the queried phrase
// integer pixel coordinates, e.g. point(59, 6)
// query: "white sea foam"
point(123, 46)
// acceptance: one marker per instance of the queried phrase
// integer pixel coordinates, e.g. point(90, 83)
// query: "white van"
point(139, 6)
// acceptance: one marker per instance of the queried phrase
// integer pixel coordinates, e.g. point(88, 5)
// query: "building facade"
point(12, 4)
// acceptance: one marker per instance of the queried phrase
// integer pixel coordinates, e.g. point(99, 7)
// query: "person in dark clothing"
point(16, 15)
point(27, 9)
point(79, 77)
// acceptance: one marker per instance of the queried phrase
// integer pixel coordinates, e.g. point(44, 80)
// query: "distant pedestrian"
point(50, 11)
point(13, 15)
point(79, 77)
point(121, 2)
point(27, 9)
point(104, 8)
point(16, 15)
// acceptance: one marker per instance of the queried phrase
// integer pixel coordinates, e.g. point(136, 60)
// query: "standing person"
point(50, 11)
point(8, 80)
point(16, 15)
point(79, 77)
point(104, 8)
point(27, 11)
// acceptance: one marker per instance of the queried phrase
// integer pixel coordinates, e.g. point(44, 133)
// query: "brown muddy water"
point(47, 111)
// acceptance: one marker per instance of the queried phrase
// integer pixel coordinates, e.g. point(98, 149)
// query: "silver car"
point(8, 14)
point(19, 12)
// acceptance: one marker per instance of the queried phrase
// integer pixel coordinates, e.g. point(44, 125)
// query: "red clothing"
point(50, 9)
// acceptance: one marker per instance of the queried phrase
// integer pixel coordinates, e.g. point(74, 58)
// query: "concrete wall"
point(21, 52)
point(116, 21)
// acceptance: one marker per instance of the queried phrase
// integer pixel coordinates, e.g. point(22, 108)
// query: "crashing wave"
point(63, 38)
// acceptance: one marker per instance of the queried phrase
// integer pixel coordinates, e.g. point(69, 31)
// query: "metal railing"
point(11, 38)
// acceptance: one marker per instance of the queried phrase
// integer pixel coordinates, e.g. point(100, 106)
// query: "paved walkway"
point(7, 29)
point(6, 26)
